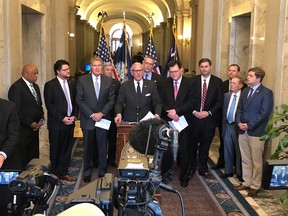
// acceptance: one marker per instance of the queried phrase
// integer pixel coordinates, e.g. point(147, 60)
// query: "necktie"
point(175, 89)
point(69, 108)
point(146, 76)
point(204, 92)
point(34, 93)
point(250, 93)
point(230, 115)
point(97, 88)
point(138, 89)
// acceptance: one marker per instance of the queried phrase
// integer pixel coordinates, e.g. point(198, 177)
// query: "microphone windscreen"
point(138, 136)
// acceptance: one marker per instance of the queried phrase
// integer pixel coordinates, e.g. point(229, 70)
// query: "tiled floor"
point(267, 204)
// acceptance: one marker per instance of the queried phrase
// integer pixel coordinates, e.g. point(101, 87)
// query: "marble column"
point(72, 40)
point(193, 63)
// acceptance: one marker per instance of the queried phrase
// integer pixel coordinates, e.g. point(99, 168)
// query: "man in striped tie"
point(28, 102)
point(207, 101)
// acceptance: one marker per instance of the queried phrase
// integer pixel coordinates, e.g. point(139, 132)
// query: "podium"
point(123, 130)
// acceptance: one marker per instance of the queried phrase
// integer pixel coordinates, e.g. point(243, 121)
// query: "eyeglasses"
point(137, 71)
point(67, 69)
point(148, 63)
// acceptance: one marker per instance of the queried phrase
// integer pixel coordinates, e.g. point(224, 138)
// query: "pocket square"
point(147, 95)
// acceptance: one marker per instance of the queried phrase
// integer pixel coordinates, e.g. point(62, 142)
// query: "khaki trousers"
point(251, 149)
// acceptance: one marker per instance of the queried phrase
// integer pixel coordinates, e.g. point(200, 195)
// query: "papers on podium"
point(180, 124)
point(104, 124)
point(149, 115)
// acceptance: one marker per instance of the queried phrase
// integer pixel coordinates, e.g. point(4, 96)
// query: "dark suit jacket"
point(156, 78)
point(255, 110)
point(88, 103)
point(56, 104)
point(27, 108)
point(183, 102)
point(227, 97)
point(213, 102)
point(9, 134)
point(127, 103)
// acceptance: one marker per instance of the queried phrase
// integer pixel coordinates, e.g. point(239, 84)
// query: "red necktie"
point(204, 92)
point(175, 89)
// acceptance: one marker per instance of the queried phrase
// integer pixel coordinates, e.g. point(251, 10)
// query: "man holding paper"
point(95, 98)
point(176, 94)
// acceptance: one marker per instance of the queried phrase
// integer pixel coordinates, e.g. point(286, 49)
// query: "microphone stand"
point(137, 113)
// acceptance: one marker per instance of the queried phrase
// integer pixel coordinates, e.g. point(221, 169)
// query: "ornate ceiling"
point(136, 12)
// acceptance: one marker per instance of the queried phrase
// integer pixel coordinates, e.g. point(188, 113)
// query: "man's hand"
point(97, 116)
point(118, 119)
point(243, 126)
point(69, 120)
point(1, 160)
point(201, 114)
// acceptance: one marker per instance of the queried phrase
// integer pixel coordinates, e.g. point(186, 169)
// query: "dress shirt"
point(149, 75)
point(237, 100)
point(140, 83)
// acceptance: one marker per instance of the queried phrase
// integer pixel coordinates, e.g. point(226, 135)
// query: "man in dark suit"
point(149, 74)
point(95, 98)
point(233, 71)
point(253, 111)
point(9, 141)
point(108, 69)
point(207, 101)
point(136, 104)
point(26, 95)
point(230, 129)
point(59, 95)
point(176, 97)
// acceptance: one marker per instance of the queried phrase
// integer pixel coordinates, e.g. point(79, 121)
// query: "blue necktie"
point(97, 88)
point(250, 93)
point(231, 110)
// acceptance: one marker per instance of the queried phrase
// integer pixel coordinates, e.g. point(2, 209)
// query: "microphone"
point(139, 134)
point(137, 113)
point(171, 134)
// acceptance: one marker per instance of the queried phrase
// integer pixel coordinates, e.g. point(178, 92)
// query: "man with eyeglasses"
point(59, 96)
point(148, 65)
point(137, 97)
point(176, 97)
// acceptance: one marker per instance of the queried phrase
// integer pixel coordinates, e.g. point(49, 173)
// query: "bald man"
point(25, 93)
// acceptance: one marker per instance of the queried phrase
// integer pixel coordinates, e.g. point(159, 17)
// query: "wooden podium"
point(123, 130)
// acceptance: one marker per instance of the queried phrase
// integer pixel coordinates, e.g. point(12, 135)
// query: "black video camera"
point(35, 185)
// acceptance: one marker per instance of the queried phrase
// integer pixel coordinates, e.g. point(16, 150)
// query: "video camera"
point(35, 185)
point(133, 191)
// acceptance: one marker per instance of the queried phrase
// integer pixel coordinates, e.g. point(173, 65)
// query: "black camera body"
point(99, 192)
point(35, 185)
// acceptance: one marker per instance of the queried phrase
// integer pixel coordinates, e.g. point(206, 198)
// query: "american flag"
point(172, 55)
point(151, 51)
point(103, 51)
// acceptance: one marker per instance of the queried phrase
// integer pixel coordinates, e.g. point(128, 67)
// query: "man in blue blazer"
point(206, 110)
point(95, 98)
point(59, 95)
point(253, 113)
